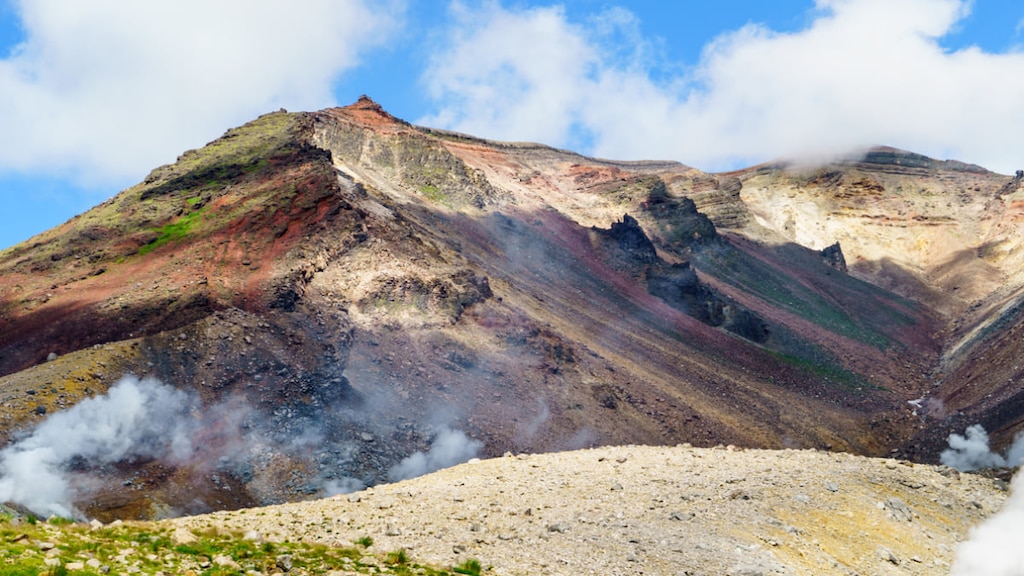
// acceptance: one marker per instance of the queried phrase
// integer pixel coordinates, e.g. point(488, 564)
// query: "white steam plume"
point(136, 418)
point(449, 448)
point(993, 548)
point(62, 460)
point(971, 451)
point(345, 485)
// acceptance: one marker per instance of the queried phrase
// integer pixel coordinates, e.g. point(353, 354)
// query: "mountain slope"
point(352, 290)
point(942, 233)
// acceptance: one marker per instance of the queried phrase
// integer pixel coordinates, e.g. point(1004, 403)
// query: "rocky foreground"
point(650, 510)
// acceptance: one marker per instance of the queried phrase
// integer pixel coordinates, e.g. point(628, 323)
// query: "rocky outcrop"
point(887, 157)
point(629, 238)
point(833, 257)
point(406, 157)
point(677, 219)
point(677, 284)
point(716, 196)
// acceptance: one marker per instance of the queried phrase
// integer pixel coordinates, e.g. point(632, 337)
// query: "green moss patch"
point(239, 151)
point(176, 230)
point(754, 276)
point(60, 547)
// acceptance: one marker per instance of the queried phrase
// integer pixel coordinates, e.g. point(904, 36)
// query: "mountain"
point(943, 233)
point(326, 300)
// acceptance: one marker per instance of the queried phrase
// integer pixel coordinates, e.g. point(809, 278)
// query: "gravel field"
point(653, 510)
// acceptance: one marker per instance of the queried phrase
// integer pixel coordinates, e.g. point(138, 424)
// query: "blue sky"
point(95, 93)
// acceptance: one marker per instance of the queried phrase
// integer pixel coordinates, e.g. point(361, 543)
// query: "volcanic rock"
point(318, 277)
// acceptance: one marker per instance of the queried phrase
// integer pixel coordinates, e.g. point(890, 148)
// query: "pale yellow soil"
point(653, 510)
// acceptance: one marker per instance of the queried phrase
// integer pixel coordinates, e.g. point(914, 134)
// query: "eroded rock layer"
point(356, 289)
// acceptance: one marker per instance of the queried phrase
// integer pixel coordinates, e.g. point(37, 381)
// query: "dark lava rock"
point(833, 256)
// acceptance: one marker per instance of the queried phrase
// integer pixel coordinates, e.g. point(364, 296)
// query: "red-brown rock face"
point(342, 289)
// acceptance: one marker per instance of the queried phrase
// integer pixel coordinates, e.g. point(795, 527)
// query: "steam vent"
point(634, 367)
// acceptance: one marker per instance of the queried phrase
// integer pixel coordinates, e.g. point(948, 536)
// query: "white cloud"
point(864, 72)
point(106, 89)
point(512, 75)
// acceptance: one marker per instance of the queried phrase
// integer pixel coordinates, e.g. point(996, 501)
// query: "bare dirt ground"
point(653, 510)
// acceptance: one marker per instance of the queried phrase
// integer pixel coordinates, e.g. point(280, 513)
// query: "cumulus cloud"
point(95, 81)
point(863, 72)
point(512, 75)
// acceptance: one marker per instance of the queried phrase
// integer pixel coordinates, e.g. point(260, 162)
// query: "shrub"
point(471, 566)
point(397, 557)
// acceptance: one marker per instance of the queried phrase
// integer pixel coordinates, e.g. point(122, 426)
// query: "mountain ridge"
point(348, 273)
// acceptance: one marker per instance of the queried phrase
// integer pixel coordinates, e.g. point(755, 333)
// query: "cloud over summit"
point(104, 89)
point(862, 72)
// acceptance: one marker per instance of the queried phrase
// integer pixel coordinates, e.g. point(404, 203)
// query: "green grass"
point(754, 276)
point(241, 152)
point(256, 166)
point(244, 155)
point(174, 231)
point(397, 557)
point(827, 372)
point(434, 194)
point(247, 147)
point(21, 571)
point(470, 566)
point(147, 548)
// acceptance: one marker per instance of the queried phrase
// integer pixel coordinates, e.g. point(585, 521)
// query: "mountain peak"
point(890, 156)
point(367, 103)
point(366, 111)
